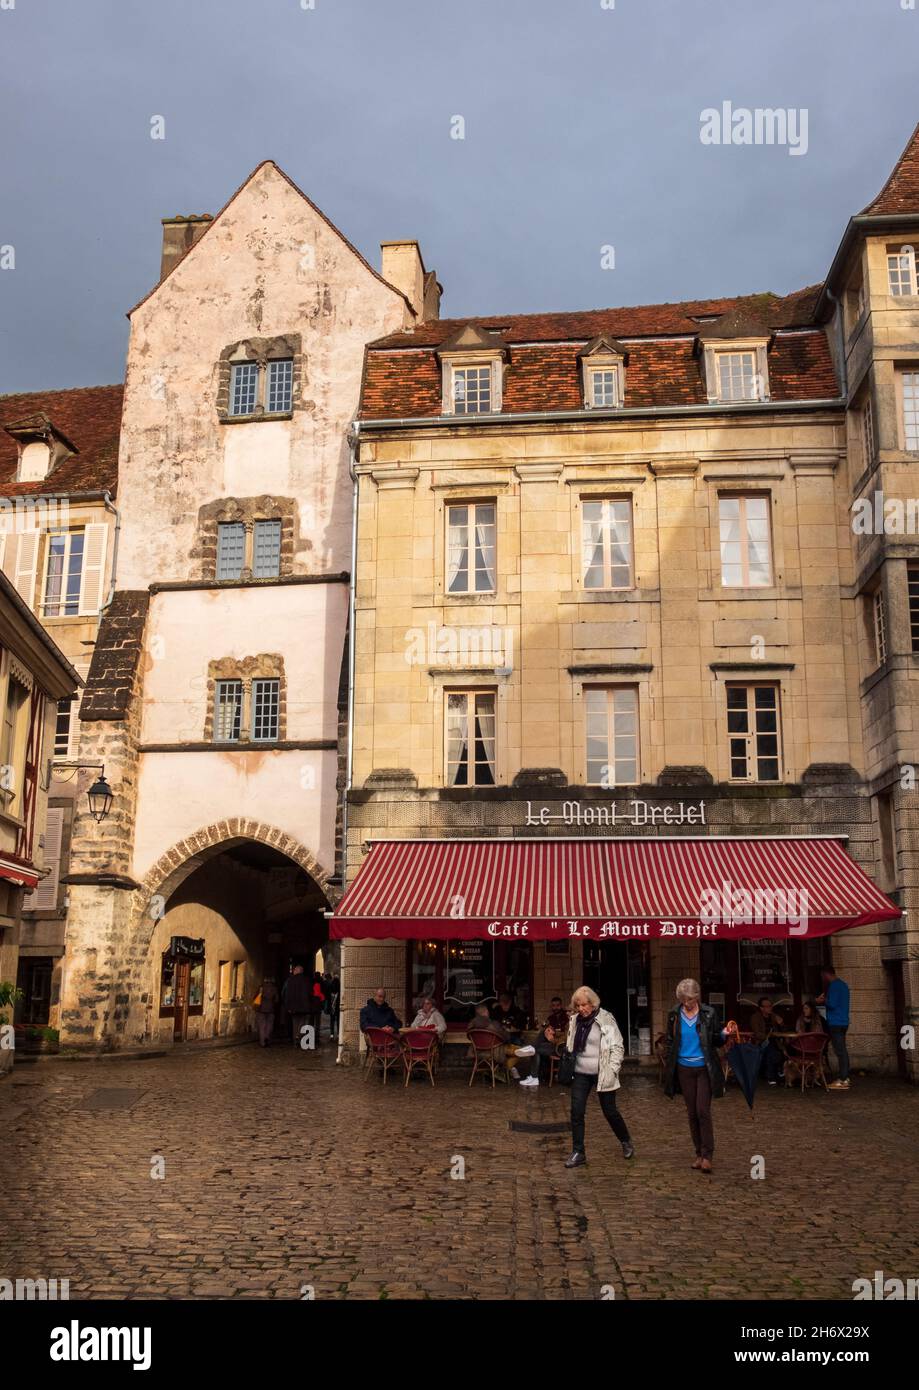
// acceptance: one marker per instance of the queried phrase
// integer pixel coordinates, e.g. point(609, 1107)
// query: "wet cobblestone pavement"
point(283, 1170)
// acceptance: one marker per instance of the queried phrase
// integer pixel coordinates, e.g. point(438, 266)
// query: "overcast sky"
point(582, 130)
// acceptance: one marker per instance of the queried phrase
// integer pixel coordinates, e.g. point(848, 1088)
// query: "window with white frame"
point(471, 547)
point(63, 575)
point(73, 570)
point(909, 386)
point(878, 625)
point(901, 271)
point(269, 385)
point(231, 549)
point(746, 558)
point(243, 388)
point(472, 390)
point(737, 376)
point(62, 726)
point(606, 542)
point(866, 421)
point(603, 387)
point(236, 553)
point(470, 738)
point(754, 733)
point(279, 386)
point(228, 709)
point(266, 701)
point(612, 736)
point(266, 549)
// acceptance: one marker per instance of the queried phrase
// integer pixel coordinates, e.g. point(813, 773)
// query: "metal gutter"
point(523, 417)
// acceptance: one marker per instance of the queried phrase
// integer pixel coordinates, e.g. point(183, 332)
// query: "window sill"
point(610, 596)
point(254, 419)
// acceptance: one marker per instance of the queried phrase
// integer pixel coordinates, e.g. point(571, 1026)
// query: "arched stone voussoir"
point(181, 859)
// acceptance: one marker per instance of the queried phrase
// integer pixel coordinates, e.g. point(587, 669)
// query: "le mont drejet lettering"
point(633, 813)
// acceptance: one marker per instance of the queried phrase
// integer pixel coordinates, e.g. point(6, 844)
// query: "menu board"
point(469, 971)
point(763, 967)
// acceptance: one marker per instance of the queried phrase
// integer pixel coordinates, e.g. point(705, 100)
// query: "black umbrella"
point(745, 1060)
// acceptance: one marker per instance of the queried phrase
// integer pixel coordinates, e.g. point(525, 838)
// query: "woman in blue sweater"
point(692, 1066)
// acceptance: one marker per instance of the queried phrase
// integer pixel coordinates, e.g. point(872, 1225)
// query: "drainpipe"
point(841, 336)
point(110, 506)
point(353, 439)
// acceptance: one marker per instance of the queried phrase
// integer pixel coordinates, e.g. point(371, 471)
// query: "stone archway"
point(173, 867)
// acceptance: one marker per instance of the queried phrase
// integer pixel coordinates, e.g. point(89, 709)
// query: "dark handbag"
point(566, 1067)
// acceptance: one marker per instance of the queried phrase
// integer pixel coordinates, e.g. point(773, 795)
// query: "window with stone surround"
point(246, 700)
point(912, 580)
point(909, 396)
point(471, 547)
point(606, 542)
point(754, 732)
point(878, 621)
point(246, 538)
point(866, 422)
point(746, 551)
point(260, 378)
point(612, 735)
point(901, 271)
point(470, 738)
point(737, 378)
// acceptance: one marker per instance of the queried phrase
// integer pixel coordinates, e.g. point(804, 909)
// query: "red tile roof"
point(402, 376)
point(90, 417)
point(901, 191)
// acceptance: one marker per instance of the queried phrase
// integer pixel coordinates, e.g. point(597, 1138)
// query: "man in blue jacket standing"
point(836, 998)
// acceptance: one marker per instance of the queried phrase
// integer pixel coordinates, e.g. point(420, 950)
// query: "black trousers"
point(838, 1039)
point(696, 1086)
point(581, 1087)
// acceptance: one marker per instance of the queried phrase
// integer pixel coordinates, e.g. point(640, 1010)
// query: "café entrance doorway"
point(620, 972)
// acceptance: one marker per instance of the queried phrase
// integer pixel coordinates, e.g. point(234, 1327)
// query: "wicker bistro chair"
point(807, 1051)
point(384, 1051)
point(489, 1054)
point(419, 1049)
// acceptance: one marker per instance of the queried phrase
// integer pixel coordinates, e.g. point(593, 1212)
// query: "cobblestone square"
point(284, 1171)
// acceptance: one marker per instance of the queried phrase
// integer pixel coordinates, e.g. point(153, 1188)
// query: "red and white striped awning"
point(550, 889)
point(18, 872)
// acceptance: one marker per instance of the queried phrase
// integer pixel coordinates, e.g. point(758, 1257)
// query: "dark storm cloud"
point(582, 130)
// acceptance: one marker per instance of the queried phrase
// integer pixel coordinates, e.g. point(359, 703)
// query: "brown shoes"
point(696, 1163)
point(706, 1165)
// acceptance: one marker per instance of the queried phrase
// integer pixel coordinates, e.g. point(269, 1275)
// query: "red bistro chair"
point(419, 1050)
point(807, 1051)
point(384, 1049)
point(489, 1053)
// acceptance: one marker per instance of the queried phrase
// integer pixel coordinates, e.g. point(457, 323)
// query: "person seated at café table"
point(764, 1021)
point(809, 1020)
point(482, 1022)
point(511, 1019)
point(376, 1013)
point(429, 1016)
point(553, 1031)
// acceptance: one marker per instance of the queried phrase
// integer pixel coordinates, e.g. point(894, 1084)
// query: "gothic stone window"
point(246, 538)
point(246, 700)
point(260, 379)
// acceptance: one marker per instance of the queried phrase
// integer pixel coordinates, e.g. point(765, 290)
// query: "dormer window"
point(603, 366)
point(472, 390)
point(472, 364)
point(41, 447)
point(735, 359)
point(737, 379)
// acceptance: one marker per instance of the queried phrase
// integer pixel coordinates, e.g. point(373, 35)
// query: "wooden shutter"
point(23, 568)
point(93, 577)
point(44, 899)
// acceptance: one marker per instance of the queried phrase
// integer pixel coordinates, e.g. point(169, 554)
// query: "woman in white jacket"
point(595, 1041)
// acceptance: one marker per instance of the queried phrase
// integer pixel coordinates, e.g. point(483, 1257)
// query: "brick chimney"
point(403, 267)
point(179, 233)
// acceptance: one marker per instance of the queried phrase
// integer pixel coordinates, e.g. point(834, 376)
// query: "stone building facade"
point(611, 559)
point(213, 696)
point(58, 500)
